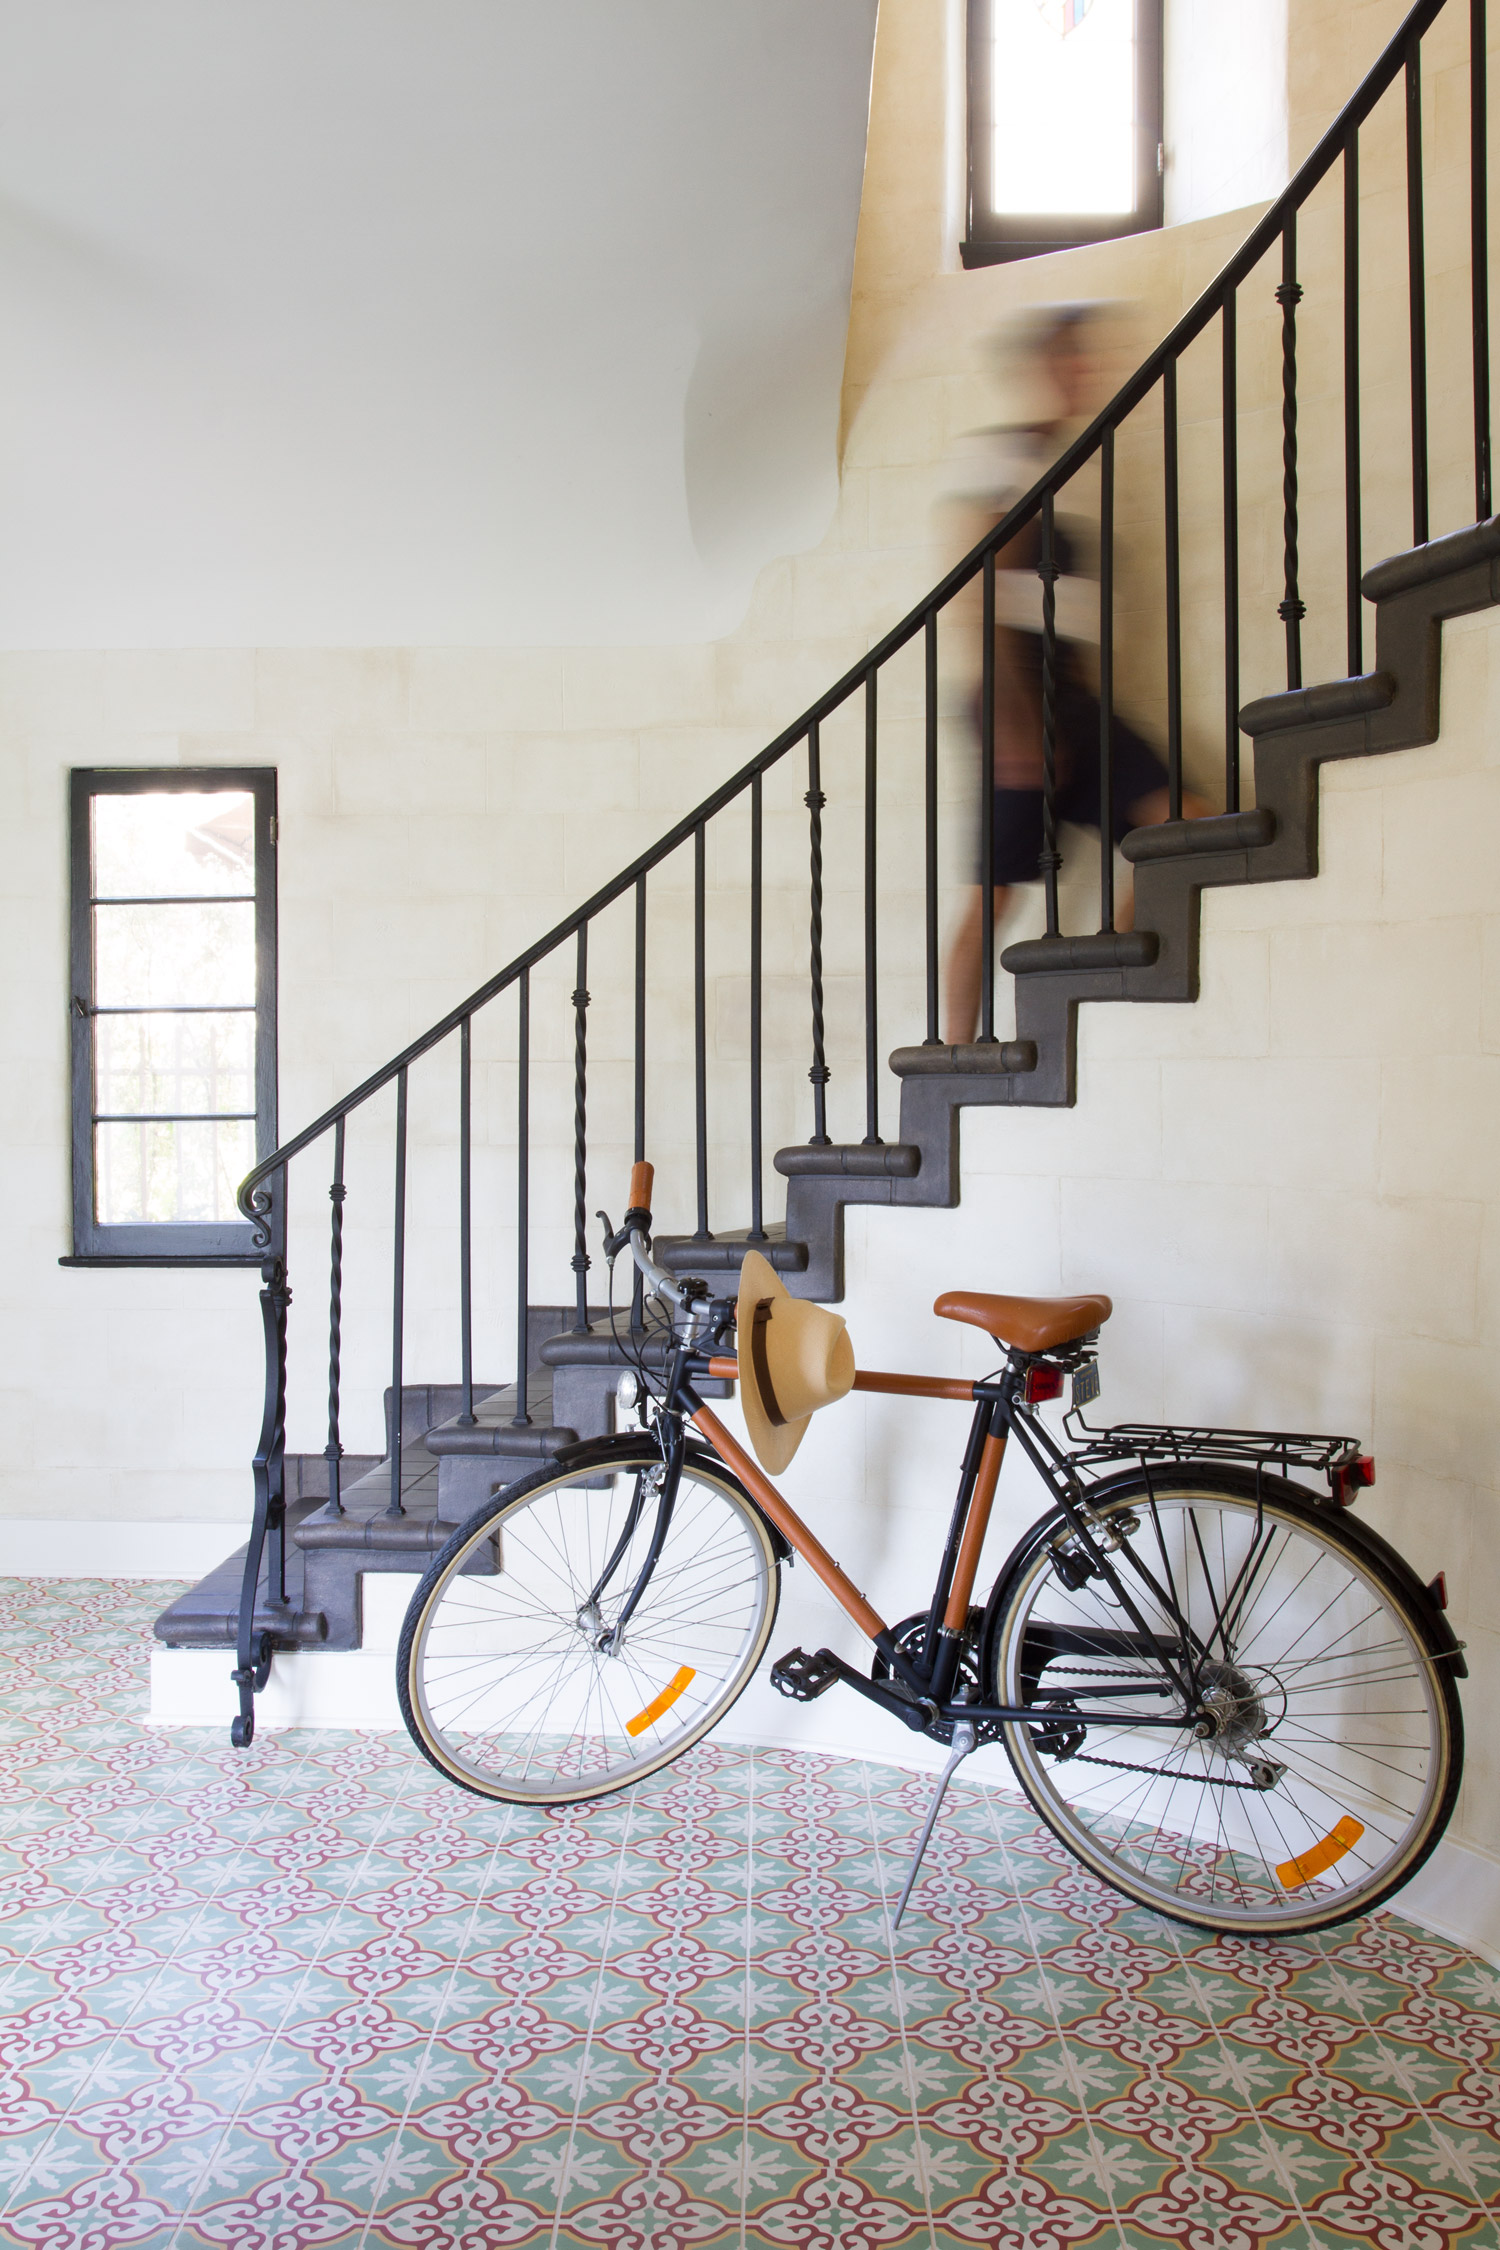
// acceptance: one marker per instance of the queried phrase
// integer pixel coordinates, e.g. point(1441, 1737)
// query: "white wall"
point(397, 321)
point(1225, 73)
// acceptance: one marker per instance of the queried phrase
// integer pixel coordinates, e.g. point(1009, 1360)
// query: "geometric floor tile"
point(309, 1995)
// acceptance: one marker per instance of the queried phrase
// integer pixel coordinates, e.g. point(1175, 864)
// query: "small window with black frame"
point(173, 1002)
point(1065, 124)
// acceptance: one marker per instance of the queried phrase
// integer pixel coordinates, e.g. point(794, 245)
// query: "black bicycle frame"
point(673, 1449)
point(921, 1694)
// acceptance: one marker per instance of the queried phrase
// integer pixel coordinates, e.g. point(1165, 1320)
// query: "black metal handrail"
point(260, 1195)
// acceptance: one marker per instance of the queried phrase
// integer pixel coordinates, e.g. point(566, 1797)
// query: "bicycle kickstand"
point(964, 1739)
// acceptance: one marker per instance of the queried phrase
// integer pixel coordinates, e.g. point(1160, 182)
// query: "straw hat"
point(794, 1358)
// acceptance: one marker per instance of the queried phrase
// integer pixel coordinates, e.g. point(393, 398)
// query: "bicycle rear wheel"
point(517, 1679)
point(1327, 1759)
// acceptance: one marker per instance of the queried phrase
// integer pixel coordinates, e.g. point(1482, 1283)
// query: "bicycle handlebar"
point(661, 1282)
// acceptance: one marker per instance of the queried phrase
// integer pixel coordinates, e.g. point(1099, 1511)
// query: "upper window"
point(1064, 124)
point(173, 1008)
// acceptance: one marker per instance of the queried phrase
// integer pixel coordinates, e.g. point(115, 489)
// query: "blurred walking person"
point(1055, 355)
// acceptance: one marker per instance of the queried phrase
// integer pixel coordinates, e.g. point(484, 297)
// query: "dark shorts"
point(1138, 773)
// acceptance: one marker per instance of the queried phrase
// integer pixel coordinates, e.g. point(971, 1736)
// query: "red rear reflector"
point(1438, 1588)
point(1352, 1477)
point(1043, 1383)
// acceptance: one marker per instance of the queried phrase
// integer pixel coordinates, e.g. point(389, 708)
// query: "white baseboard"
point(1457, 1896)
point(67, 1547)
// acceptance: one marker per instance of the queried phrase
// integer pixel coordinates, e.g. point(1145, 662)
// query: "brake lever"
point(615, 1239)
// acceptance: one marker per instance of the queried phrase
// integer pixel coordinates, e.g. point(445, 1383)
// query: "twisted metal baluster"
point(580, 1260)
point(398, 1300)
point(638, 1285)
point(333, 1451)
point(815, 801)
point(1050, 859)
point(521, 1419)
point(1290, 609)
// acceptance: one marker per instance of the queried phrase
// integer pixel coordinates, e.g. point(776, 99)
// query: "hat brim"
point(773, 1442)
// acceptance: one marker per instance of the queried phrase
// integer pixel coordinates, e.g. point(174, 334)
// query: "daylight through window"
point(1064, 124)
point(1063, 106)
point(170, 998)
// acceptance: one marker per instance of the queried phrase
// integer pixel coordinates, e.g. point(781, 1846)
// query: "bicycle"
point(1223, 1693)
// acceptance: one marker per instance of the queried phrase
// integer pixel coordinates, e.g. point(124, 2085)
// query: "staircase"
point(296, 1585)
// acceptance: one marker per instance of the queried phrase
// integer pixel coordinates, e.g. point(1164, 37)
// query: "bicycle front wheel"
point(517, 1677)
point(1324, 1760)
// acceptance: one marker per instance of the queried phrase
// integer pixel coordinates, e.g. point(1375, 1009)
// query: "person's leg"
point(964, 978)
point(1016, 833)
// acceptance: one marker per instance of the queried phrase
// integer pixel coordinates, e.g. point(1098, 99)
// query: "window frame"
point(991, 238)
point(175, 1243)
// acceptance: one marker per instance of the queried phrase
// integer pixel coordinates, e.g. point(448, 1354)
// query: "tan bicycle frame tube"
point(976, 1524)
point(872, 1379)
point(787, 1521)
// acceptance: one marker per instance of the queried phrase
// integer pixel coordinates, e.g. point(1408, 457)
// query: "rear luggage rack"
point(1161, 1441)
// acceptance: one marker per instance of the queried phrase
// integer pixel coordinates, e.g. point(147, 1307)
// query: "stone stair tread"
point(853, 1160)
point(725, 1253)
point(363, 1523)
point(494, 1429)
point(1190, 839)
point(207, 1616)
point(1437, 558)
point(1106, 949)
point(979, 1058)
point(1323, 705)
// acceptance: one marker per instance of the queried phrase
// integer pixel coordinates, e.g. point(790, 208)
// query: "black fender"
point(1247, 1482)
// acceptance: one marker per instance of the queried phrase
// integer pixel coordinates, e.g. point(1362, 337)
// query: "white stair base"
point(354, 1687)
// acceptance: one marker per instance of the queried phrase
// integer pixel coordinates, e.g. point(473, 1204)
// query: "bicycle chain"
point(1167, 1773)
point(1127, 1765)
point(1096, 1672)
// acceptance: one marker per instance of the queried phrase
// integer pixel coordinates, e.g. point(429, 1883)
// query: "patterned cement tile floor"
point(309, 1995)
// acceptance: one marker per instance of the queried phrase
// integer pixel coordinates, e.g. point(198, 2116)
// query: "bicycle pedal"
point(804, 1677)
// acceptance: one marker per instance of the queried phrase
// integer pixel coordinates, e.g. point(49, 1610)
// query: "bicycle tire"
point(1191, 1828)
point(495, 1643)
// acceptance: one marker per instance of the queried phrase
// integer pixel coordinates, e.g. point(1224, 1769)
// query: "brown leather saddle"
point(1027, 1324)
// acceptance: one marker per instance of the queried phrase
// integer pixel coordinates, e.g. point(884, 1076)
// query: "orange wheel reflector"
point(668, 1697)
point(1340, 1839)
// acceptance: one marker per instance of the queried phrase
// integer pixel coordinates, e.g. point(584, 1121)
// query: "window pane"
point(1064, 107)
point(157, 1173)
point(144, 1063)
point(174, 956)
point(174, 843)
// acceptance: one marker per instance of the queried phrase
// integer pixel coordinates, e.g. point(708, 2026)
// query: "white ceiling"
point(335, 322)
